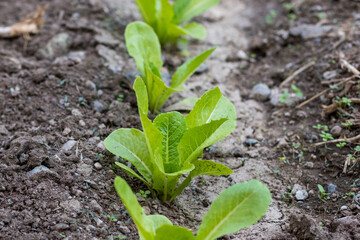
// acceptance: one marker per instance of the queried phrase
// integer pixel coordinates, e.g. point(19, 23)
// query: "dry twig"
point(337, 141)
point(297, 72)
point(30, 24)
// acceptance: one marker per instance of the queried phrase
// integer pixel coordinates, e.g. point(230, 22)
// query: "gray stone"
point(331, 188)
point(308, 31)
point(309, 165)
point(124, 229)
point(242, 55)
point(343, 208)
point(113, 61)
point(66, 131)
point(105, 37)
point(3, 130)
point(98, 166)
point(94, 205)
point(84, 169)
point(98, 106)
point(329, 75)
point(57, 46)
point(15, 91)
point(69, 145)
point(61, 226)
point(251, 141)
point(71, 205)
point(77, 56)
point(76, 112)
point(336, 131)
point(130, 76)
point(296, 188)
point(10, 64)
point(90, 85)
point(301, 195)
point(40, 170)
point(261, 92)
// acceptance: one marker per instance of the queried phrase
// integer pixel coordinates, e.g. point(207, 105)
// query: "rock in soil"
point(57, 46)
point(301, 195)
point(261, 92)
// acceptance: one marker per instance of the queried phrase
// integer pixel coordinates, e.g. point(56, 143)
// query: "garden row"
point(170, 147)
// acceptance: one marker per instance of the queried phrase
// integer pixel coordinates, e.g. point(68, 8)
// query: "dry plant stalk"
point(30, 24)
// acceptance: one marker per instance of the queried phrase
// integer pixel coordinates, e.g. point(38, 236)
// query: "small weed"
point(284, 97)
point(323, 195)
point(319, 127)
point(321, 224)
point(270, 17)
point(321, 15)
point(120, 97)
point(347, 124)
point(341, 144)
point(298, 92)
point(143, 193)
point(326, 136)
point(120, 237)
point(344, 101)
point(357, 148)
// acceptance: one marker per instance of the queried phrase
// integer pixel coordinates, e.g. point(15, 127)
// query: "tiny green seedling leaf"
point(170, 146)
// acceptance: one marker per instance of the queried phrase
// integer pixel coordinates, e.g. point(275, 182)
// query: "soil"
point(57, 107)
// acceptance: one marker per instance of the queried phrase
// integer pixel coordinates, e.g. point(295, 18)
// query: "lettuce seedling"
point(171, 145)
point(143, 45)
point(166, 19)
point(239, 206)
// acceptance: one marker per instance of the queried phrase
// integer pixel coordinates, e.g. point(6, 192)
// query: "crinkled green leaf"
point(131, 145)
point(207, 167)
point(211, 106)
point(237, 207)
point(153, 136)
point(195, 8)
point(167, 232)
point(144, 224)
point(143, 45)
point(195, 30)
point(172, 126)
point(147, 10)
point(188, 68)
point(196, 139)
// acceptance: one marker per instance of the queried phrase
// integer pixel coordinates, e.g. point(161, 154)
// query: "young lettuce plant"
point(171, 145)
point(239, 206)
point(143, 45)
point(166, 19)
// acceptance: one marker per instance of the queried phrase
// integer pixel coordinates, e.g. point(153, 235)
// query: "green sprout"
point(270, 17)
point(344, 101)
point(326, 136)
point(347, 124)
point(120, 97)
point(341, 144)
point(357, 148)
point(319, 127)
point(143, 193)
point(298, 92)
point(284, 97)
point(323, 195)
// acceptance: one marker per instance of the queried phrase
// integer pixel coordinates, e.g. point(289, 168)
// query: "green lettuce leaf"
point(237, 207)
point(130, 144)
point(143, 45)
point(188, 68)
point(144, 224)
point(147, 10)
point(168, 232)
point(172, 126)
point(195, 8)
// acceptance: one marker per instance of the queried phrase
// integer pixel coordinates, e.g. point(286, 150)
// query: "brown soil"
point(47, 101)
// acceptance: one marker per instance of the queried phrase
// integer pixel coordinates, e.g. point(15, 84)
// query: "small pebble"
point(331, 188)
point(309, 165)
point(76, 112)
point(260, 92)
point(251, 141)
point(336, 131)
point(82, 123)
point(343, 208)
point(301, 195)
point(66, 131)
point(69, 145)
point(98, 166)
